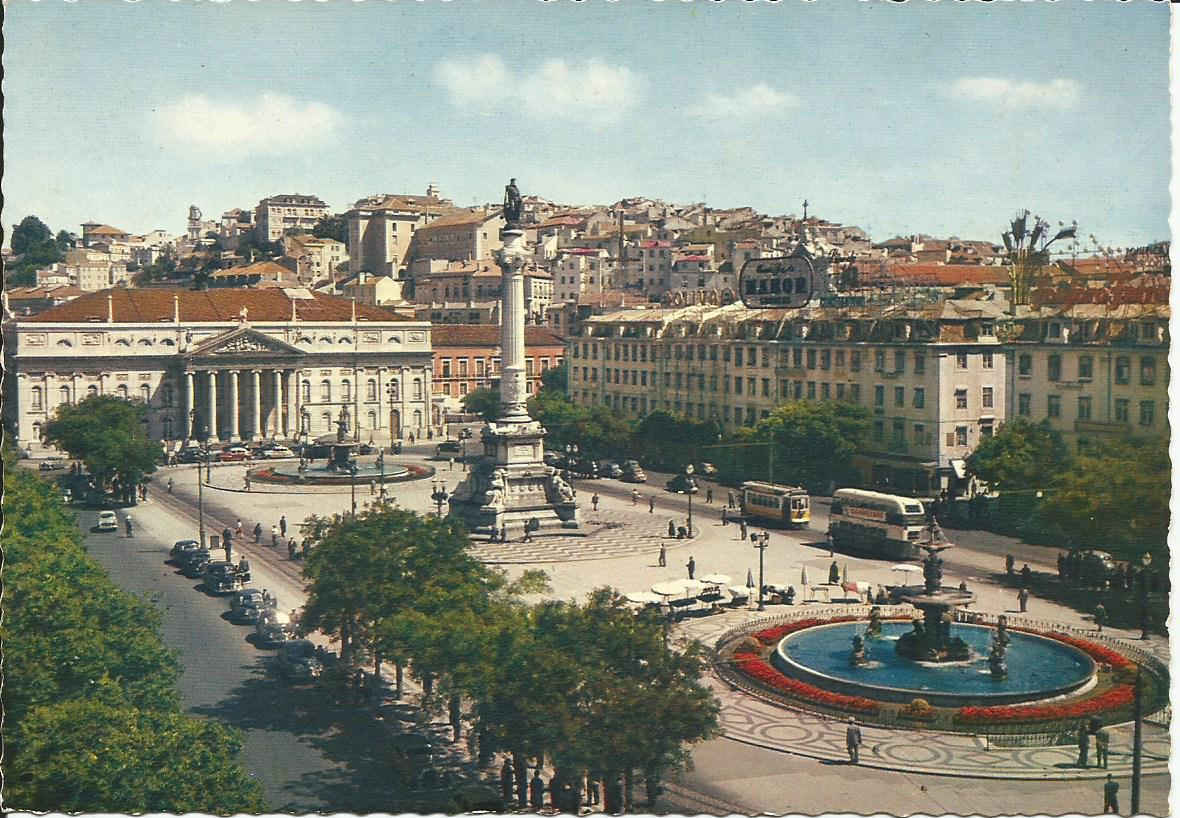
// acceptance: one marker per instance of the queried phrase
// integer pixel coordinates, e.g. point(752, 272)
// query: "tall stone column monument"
point(510, 487)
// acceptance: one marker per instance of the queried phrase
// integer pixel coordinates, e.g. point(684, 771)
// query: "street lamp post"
point(381, 470)
point(760, 542)
point(690, 488)
point(438, 495)
point(352, 484)
point(571, 451)
point(200, 487)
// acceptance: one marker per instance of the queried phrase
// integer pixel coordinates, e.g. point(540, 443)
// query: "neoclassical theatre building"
point(227, 365)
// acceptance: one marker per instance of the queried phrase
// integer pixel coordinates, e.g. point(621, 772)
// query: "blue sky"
point(942, 118)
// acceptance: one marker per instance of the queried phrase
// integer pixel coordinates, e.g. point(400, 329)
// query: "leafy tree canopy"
point(107, 434)
point(30, 234)
point(1116, 499)
point(331, 227)
point(1021, 456)
point(33, 242)
point(557, 378)
point(670, 441)
point(483, 402)
point(92, 755)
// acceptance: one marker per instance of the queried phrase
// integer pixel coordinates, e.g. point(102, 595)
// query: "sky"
point(944, 118)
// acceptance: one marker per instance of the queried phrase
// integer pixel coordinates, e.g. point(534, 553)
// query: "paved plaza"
point(619, 545)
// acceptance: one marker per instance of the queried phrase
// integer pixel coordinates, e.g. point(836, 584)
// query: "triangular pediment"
point(243, 341)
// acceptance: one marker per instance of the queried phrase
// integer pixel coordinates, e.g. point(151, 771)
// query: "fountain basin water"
point(1038, 667)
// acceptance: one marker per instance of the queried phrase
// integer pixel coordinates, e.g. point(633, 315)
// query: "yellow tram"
point(770, 502)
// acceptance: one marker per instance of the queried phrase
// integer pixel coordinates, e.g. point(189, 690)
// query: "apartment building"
point(467, 357)
point(275, 215)
point(318, 259)
point(1093, 371)
point(582, 272)
point(380, 228)
point(933, 378)
point(466, 234)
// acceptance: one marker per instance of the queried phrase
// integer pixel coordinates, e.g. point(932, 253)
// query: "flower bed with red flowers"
point(771, 636)
point(1118, 696)
point(761, 671)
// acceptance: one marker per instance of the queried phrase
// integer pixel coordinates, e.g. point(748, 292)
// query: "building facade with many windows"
point(932, 378)
point(1094, 371)
point(275, 215)
point(223, 365)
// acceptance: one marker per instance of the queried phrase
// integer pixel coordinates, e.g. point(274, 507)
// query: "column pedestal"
point(510, 487)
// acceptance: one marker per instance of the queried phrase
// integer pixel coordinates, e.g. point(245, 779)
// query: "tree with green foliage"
point(1116, 499)
point(331, 227)
point(597, 430)
point(556, 379)
point(1021, 456)
point(107, 434)
point(671, 441)
point(34, 246)
point(483, 402)
point(814, 443)
point(91, 755)
point(92, 718)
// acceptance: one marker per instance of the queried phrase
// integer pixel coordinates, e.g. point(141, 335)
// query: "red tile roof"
point(196, 306)
point(464, 218)
point(945, 275)
point(486, 335)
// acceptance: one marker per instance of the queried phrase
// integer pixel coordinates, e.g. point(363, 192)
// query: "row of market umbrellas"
point(688, 587)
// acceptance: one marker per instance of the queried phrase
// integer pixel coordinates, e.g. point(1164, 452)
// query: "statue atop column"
point(513, 207)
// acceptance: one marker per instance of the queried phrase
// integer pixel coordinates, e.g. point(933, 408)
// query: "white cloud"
point(1061, 94)
point(756, 101)
point(268, 124)
point(591, 92)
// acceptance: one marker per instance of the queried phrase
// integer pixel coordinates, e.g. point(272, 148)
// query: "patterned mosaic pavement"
point(754, 721)
point(606, 535)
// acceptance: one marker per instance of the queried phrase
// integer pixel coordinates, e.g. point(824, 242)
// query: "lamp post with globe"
point(690, 488)
point(438, 495)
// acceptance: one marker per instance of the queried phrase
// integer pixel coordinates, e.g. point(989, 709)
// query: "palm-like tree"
point(1028, 251)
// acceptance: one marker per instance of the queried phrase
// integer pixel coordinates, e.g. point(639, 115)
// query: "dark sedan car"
point(194, 563)
point(181, 549)
point(682, 484)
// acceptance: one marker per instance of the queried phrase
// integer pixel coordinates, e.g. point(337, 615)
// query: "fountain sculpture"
point(931, 640)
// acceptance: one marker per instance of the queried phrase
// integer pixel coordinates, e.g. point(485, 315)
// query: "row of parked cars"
point(629, 471)
point(265, 451)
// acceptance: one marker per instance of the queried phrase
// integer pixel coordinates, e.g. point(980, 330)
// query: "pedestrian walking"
point(1025, 575)
point(634, 496)
point(537, 790)
point(1100, 616)
point(450, 464)
point(528, 533)
point(692, 568)
point(594, 501)
point(724, 516)
point(504, 533)
point(852, 740)
point(169, 485)
point(274, 536)
point(291, 548)
point(1009, 565)
point(246, 481)
point(257, 533)
point(663, 556)
point(671, 528)
point(128, 525)
point(709, 495)
point(651, 505)
point(1022, 598)
point(372, 487)
point(1110, 795)
point(834, 574)
point(283, 525)
point(1102, 747)
point(729, 502)
point(745, 530)
point(1083, 745)
point(506, 780)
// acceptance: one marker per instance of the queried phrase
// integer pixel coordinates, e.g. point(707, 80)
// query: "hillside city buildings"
point(642, 298)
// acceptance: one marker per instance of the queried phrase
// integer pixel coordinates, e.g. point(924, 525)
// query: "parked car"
point(233, 453)
point(273, 452)
point(633, 472)
point(193, 566)
point(223, 577)
point(1097, 567)
point(298, 661)
point(107, 521)
point(681, 484)
point(609, 468)
point(191, 454)
point(273, 628)
point(583, 467)
point(447, 448)
point(180, 549)
point(52, 464)
point(247, 606)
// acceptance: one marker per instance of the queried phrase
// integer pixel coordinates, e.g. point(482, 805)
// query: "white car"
point(107, 521)
point(277, 451)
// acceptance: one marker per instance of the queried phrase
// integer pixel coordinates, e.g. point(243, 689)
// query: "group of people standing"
point(567, 793)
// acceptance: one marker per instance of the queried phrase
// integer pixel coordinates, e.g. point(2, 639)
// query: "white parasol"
point(906, 568)
point(643, 597)
point(672, 587)
point(716, 579)
point(692, 586)
point(803, 577)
